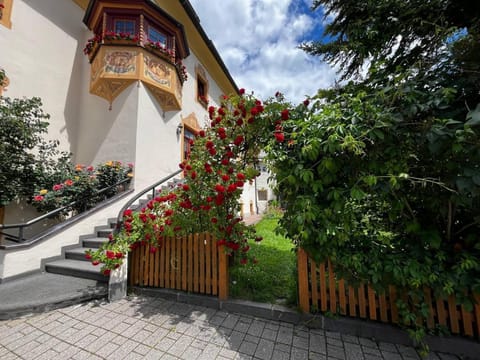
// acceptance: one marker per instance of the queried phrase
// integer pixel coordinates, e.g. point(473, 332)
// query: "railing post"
point(303, 293)
point(222, 273)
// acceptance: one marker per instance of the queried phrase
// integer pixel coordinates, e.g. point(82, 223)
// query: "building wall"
point(47, 60)
point(41, 55)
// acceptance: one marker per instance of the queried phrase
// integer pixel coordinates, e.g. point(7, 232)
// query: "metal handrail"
point(22, 226)
point(152, 188)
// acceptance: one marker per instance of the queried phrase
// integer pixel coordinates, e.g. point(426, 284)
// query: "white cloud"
point(258, 39)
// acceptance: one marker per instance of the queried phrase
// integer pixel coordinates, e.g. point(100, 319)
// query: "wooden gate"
point(192, 263)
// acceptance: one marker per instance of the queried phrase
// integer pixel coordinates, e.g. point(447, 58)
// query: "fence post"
point(222, 274)
point(303, 295)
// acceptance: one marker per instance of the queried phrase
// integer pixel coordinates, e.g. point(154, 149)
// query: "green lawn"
point(273, 278)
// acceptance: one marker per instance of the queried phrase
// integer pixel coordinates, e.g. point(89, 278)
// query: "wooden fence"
point(192, 263)
point(320, 289)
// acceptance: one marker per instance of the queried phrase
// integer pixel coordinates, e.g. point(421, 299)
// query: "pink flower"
point(38, 198)
point(68, 182)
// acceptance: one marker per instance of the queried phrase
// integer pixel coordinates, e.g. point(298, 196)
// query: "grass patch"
point(273, 277)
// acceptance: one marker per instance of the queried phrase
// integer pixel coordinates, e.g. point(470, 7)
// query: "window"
point(5, 13)
point(156, 36)
point(262, 195)
point(202, 86)
point(188, 138)
point(126, 26)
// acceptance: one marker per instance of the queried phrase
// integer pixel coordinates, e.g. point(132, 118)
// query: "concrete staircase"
point(74, 262)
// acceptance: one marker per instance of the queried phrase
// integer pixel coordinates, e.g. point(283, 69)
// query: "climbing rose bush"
point(221, 162)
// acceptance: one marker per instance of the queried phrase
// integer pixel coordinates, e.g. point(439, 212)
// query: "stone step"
point(77, 253)
point(94, 242)
point(104, 231)
point(77, 268)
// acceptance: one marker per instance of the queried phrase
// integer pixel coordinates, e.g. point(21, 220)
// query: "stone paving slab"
point(144, 327)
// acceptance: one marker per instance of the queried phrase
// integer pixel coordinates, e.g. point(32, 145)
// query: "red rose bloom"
point(285, 114)
point(279, 136)
point(208, 168)
point(238, 140)
point(219, 188)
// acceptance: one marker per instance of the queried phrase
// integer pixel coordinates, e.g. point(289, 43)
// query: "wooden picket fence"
point(192, 263)
point(320, 289)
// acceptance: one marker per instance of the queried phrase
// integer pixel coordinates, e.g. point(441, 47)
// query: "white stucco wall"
point(41, 56)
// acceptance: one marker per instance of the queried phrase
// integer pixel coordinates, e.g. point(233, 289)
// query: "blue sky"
point(258, 39)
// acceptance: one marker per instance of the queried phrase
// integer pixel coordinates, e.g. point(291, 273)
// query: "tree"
point(26, 158)
point(396, 33)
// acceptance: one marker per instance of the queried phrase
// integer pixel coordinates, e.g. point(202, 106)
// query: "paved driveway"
point(153, 328)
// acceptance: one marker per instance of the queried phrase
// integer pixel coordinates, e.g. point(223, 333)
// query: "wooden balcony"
point(116, 64)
